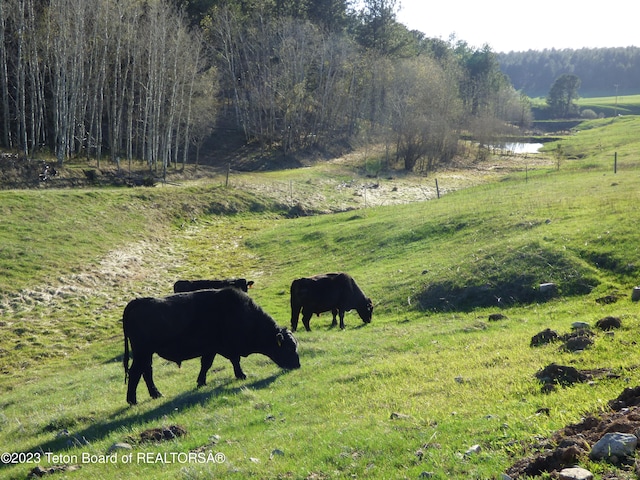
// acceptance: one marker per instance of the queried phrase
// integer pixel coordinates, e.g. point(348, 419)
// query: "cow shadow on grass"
point(191, 398)
point(359, 326)
point(331, 327)
point(70, 441)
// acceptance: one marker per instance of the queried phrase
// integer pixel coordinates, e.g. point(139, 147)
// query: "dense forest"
point(602, 71)
point(152, 79)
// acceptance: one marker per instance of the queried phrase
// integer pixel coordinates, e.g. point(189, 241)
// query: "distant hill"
point(599, 69)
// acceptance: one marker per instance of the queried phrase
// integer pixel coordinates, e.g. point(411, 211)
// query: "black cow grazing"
point(200, 324)
point(334, 292)
point(193, 285)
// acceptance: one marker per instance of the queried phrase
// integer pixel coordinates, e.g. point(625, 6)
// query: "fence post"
point(226, 182)
point(615, 162)
point(437, 189)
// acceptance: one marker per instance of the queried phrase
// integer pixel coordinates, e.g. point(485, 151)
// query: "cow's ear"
point(250, 284)
point(279, 338)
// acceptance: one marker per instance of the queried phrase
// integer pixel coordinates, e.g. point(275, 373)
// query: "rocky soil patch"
point(156, 435)
point(39, 471)
point(573, 444)
point(576, 443)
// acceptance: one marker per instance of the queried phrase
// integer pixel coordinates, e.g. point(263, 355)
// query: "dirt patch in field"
point(156, 435)
point(115, 271)
point(123, 274)
point(39, 471)
point(572, 444)
point(370, 186)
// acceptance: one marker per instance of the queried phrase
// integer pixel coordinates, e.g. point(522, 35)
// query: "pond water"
point(523, 147)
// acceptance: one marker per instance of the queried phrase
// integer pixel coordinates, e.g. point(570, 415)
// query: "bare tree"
point(36, 80)
point(4, 74)
point(200, 108)
point(424, 112)
point(21, 78)
point(201, 118)
point(67, 56)
point(291, 84)
point(21, 84)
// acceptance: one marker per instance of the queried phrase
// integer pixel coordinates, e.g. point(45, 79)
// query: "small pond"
point(522, 147)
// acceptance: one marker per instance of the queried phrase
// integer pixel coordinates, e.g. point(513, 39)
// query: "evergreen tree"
point(562, 95)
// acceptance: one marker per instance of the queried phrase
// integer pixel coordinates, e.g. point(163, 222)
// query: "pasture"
point(612, 106)
point(406, 396)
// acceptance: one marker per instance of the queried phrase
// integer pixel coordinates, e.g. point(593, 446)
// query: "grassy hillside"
point(612, 106)
point(598, 142)
point(623, 105)
point(410, 393)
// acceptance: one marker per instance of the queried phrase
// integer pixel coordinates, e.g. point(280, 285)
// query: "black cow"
point(200, 324)
point(193, 285)
point(334, 292)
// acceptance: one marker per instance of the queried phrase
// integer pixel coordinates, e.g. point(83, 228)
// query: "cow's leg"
point(205, 364)
point(306, 318)
point(141, 367)
point(134, 378)
point(235, 361)
point(341, 319)
point(334, 312)
point(295, 313)
point(147, 374)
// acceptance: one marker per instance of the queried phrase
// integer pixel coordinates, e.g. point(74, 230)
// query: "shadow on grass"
point(504, 277)
point(127, 416)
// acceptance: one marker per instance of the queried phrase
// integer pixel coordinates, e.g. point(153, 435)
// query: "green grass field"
point(604, 106)
point(612, 106)
point(403, 397)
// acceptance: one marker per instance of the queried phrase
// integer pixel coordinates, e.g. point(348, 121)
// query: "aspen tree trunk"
point(37, 103)
point(21, 100)
point(4, 78)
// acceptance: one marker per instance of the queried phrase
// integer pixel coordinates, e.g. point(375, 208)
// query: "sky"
point(508, 25)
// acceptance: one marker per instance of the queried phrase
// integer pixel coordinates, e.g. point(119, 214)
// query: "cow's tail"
point(125, 358)
point(293, 293)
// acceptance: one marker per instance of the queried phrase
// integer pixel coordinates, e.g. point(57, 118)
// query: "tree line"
point(149, 79)
point(602, 71)
point(97, 77)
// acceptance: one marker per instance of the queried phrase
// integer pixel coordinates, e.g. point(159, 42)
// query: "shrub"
point(588, 114)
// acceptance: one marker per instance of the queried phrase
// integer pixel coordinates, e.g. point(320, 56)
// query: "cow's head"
point(285, 350)
point(366, 310)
